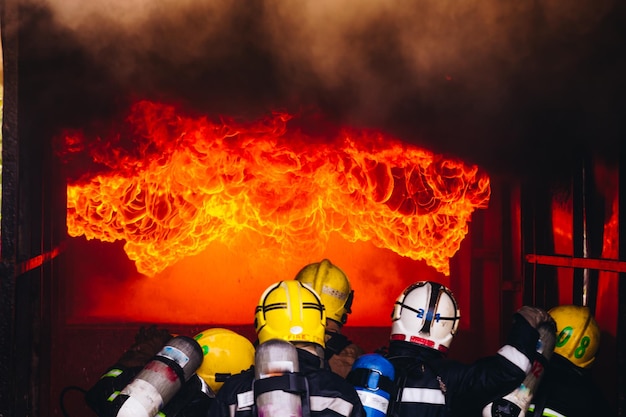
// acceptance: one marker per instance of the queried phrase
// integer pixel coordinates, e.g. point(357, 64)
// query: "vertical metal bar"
point(510, 254)
point(578, 231)
point(537, 237)
point(621, 299)
point(528, 244)
point(585, 240)
point(10, 193)
point(593, 227)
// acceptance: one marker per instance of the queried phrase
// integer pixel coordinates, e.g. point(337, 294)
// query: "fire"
point(188, 181)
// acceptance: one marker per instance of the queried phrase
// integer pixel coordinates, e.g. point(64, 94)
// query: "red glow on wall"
point(562, 226)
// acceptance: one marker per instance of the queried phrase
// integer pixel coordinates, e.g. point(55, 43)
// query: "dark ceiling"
point(517, 88)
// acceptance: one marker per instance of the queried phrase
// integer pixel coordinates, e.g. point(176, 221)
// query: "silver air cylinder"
point(276, 358)
point(515, 404)
point(157, 383)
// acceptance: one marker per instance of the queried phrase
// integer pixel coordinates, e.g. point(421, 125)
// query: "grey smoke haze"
point(489, 79)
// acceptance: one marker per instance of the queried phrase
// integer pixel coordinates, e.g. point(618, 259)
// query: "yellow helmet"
point(225, 353)
point(578, 334)
point(291, 311)
point(333, 287)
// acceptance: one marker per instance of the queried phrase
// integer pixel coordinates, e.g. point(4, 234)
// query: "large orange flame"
point(189, 181)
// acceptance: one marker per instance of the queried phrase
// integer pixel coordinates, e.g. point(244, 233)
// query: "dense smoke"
point(507, 85)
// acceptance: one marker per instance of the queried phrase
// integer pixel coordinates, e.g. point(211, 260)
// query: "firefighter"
point(333, 287)
point(566, 388)
point(225, 353)
point(425, 318)
point(148, 342)
point(292, 312)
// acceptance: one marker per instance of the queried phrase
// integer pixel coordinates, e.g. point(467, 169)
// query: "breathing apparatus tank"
point(278, 388)
point(516, 402)
point(148, 342)
point(99, 397)
point(372, 376)
point(160, 379)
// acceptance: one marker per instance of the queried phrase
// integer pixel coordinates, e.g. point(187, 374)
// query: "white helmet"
point(425, 314)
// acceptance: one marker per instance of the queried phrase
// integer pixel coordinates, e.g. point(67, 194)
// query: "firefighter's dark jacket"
point(431, 385)
point(329, 394)
point(570, 391)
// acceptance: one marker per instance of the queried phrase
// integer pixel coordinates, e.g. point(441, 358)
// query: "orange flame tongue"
point(193, 181)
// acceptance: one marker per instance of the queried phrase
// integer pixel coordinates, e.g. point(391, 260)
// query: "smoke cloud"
point(507, 85)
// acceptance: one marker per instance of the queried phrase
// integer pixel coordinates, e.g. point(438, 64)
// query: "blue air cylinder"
point(372, 376)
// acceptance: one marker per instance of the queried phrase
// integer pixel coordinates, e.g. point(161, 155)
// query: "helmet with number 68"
point(578, 334)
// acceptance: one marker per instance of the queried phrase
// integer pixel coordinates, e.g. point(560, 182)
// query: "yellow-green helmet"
point(333, 287)
point(225, 353)
point(578, 334)
point(290, 311)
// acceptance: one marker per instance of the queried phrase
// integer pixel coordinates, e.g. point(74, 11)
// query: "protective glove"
point(535, 316)
point(148, 342)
